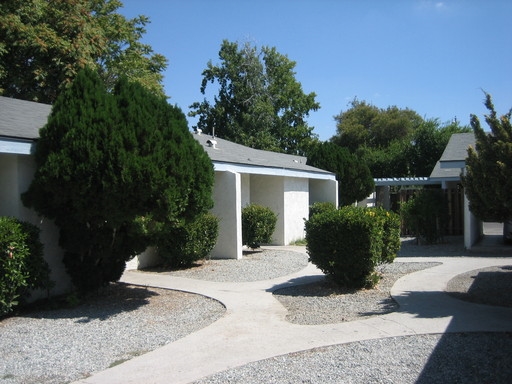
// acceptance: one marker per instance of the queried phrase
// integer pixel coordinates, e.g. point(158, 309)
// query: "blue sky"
point(434, 57)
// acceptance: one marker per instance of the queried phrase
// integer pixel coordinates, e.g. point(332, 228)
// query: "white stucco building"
point(243, 175)
point(282, 182)
point(20, 122)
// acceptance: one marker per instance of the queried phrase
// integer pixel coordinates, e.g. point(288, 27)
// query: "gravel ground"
point(125, 321)
point(254, 266)
point(122, 321)
point(491, 286)
point(423, 359)
point(324, 303)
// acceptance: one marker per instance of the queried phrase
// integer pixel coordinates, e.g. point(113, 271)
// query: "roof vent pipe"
point(212, 143)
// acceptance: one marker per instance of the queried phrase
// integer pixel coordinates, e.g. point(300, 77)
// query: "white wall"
point(288, 197)
point(227, 195)
point(269, 192)
point(321, 190)
point(296, 208)
point(16, 173)
point(246, 189)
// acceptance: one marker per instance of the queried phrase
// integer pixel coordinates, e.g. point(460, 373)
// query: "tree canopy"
point(109, 166)
point(488, 178)
point(259, 102)
point(354, 177)
point(43, 45)
point(394, 142)
point(364, 125)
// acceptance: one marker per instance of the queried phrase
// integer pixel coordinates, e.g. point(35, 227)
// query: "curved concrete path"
point(254, 326)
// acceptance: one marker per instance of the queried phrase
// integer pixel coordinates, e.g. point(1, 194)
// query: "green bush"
point(106, 158)
point(258, 225)
point(391, 234)
point(321, 207)
point(425, 214)
point(185, 244)
point(22, 266)
point(346, 244)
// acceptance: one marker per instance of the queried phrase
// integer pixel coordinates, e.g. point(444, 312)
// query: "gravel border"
point(492, 286)
point(121, 322)
point(254, 266)
point(422, 359)
point(324, 303)
point(125, 321)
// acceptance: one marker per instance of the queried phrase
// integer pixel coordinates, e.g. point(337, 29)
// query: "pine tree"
point(488, 179)
point(107, 164)
point(353, 175)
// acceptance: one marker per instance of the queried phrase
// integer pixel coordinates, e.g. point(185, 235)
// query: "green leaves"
point(45, 44)
point(259, 102)
point(22, 265)
point(258, 225)
point(348, 243)
point(352, 173)
point(106, 159)
point(488, 178)
point(394, 142)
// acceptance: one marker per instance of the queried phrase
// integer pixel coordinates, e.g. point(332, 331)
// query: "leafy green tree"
point(427, 145)
point(364, 125)
point(391, 161)
point(394, 142)
point(353, 175)
point(43, 45)
point(488, 178)
point(22, 265)
point(259, 102)
point(109, 165)
point(425, 215)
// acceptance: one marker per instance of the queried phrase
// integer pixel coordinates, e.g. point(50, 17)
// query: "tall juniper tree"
point(106, 162)
point(353, 175)
point(488, 178)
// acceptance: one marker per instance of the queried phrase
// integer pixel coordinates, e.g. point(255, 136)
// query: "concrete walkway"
point(254, 325)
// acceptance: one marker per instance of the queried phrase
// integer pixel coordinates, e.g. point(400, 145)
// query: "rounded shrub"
point(390, 234)
point(22, 266)
point(346, 244)
point(425, 214)
point(258, 225)
point(181, 246)
point(321, 207)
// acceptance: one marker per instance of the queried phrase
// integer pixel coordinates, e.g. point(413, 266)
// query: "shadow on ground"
point(107, 302)
point(491, 286)
point(475, 357)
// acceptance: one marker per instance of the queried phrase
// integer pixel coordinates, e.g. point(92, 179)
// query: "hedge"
point(22, 266)
point(258, 225)
point(348, 243)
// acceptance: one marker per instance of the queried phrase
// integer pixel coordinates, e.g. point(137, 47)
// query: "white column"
point(227, 195)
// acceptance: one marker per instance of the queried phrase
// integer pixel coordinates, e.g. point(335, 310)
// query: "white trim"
point(271, 171)
point(395, 181)
point(16, 146)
